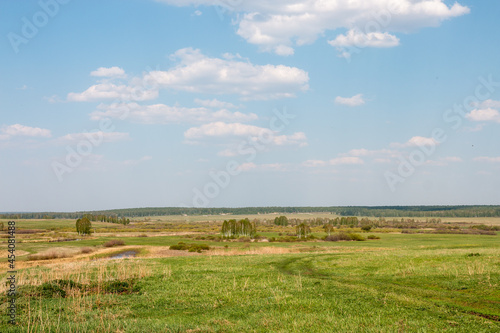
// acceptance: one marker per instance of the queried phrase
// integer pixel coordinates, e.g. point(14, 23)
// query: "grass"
point(396, 283)
point(426, 283)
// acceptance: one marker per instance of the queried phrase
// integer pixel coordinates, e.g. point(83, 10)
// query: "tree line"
point(372, 211)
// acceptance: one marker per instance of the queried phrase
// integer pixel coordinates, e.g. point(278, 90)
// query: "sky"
point(234, 103)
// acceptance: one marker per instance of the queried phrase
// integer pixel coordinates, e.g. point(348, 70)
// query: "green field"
point(398, 283)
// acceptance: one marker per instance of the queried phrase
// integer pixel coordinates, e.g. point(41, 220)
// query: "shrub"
point(114, 242)
point(366, 228)
point(47, 255)
point(244, 239)
point(50, 289)
point(190, 247)
point(143, 235)
point(373, 237)
point(356, 237)
point(86, 250)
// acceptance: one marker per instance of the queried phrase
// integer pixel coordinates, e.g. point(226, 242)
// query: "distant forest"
point(372, 211)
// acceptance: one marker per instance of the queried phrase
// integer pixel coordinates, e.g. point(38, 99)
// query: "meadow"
point(401, 282)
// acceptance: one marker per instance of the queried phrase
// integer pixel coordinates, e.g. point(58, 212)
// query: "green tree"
point(83, 226)
point(303, 230)
point(328, 229)
point(281, 220)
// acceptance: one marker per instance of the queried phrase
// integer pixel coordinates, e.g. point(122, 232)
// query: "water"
point(126, 254)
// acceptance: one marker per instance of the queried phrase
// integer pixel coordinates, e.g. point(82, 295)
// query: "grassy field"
point(398, 283)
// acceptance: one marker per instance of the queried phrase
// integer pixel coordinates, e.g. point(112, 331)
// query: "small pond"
point(126, 254)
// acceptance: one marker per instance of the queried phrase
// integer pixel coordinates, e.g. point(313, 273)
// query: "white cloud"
point(367, 152)
point(279, 25)
point(314, 163)
point(214, 103)
point(357, 38)
point(110, 91)
point(487, 159)
point(98, 136)
point(485, 115)
point(261, 167)
point(198, 73)
point(247, 166)
point(221, 130)
point(21, 130)
point(416, 141)
point(452, 159)
point(197, 13)
point(165, 114)
point(135, 162)
point(346, 160)
point(355, 100)
point(444, 161)
point(115, 72)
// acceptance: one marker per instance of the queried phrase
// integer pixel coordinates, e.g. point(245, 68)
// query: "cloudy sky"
point(141, 103)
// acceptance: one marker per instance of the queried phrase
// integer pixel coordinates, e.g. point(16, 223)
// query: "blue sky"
point(225, 103)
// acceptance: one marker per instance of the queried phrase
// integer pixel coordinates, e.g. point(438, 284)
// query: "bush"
point(244, 239)
point(366, 228)
point(86, 250)
point(373, 237)
point(143, 235)
point(342, 236)
point(114, 242)
point(47, 255)
point(190, 247)
point(357, 237)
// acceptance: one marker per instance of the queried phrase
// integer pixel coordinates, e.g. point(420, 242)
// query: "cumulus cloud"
point(111, 91)
point(346, 160)
point(487, 159)
point(214, 103)
point(97, 136)
point(165, 114)
point(115, 72)
point(359, 39)
point(7, 132)
point(261, 167)
point(138, 161)
point(222, 130)
point(355, 100)
point(444, 161)
point(415, 142)
point(278, 26)
point(198, 73)
point(484, 115)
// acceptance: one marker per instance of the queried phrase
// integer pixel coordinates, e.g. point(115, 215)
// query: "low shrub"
point(86, 250)
point(114, 242)
point(181, 246)
point(47, 255)
point(342, 236)
point(373, 237)
point(244, 239)
point(356, 237)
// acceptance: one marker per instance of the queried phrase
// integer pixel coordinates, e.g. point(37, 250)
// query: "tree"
point(328, 229)
point(303, 230)
point(281, 220)
point(238, 228)
point(83, 226)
